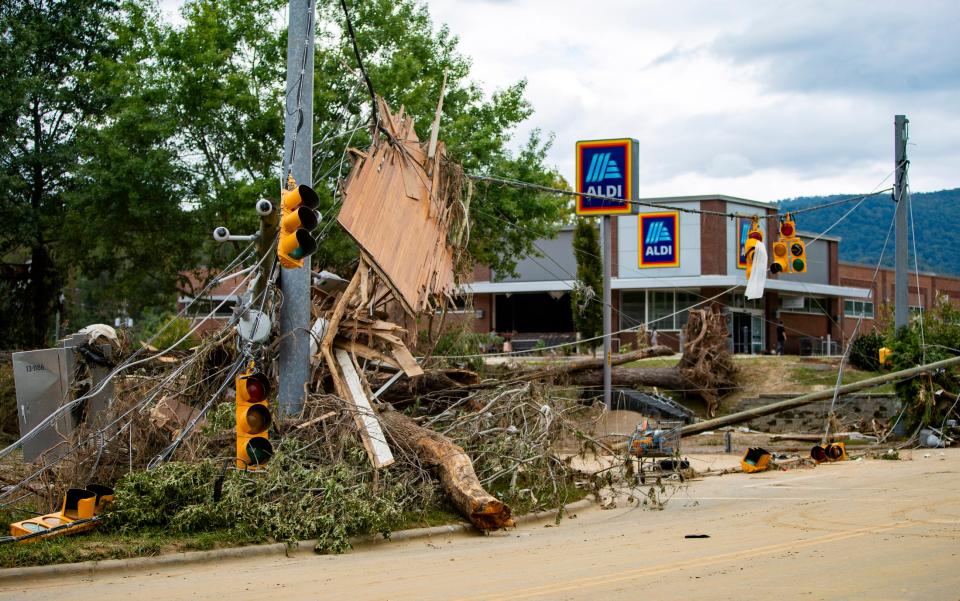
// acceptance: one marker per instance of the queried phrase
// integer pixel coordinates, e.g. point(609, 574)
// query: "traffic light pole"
point(298, 154)
point(607, 302)
point(902, 196)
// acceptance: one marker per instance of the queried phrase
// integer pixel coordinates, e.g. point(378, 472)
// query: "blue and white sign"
point(607, 168)
point(659, 244)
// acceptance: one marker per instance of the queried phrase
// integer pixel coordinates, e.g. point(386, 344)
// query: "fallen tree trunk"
point(454, 468)
point(576, 367)
point(668, 378)
point(743, 416)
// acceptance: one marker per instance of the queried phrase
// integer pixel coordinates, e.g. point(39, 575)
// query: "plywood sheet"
point(390, 210)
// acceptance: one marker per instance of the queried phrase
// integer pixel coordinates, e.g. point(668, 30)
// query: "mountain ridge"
point(936, 216)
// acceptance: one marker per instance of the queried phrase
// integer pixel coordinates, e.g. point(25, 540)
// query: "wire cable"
point(514, 183)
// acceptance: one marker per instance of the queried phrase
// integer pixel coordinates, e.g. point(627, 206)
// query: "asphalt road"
point(857, 530)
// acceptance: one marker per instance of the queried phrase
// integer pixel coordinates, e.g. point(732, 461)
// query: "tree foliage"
point(934, 338)
point(586, 301)
point(126, 139)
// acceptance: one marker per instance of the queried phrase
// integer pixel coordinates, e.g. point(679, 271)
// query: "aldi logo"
point(659, 237)
point(607, 168)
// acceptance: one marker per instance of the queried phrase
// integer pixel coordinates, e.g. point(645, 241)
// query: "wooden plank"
point(370, 430)
point(407, 363)
point(362, 350)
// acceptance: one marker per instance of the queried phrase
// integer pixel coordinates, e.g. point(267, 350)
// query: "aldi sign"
point(743, 228)
point(607, 168)
point(659, 243)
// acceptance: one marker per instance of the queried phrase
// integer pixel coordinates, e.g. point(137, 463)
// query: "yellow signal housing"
point(298, 217)
point(885, 356)
point(754, 237)
point(798, 256)
point(828, 453)
point(781, 261)
point(253, 420)
point(80, 507)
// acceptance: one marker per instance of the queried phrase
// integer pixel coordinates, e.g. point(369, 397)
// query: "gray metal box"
point(43, 380)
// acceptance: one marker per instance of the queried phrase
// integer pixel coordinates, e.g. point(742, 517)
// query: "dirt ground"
point(865, 529)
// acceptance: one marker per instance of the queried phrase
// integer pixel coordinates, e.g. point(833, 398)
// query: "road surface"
point(857, 530)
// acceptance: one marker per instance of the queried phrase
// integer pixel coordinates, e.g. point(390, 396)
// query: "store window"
point(633, 308)
point(661, 310)
point(803, 304)
point(685, 300)
point(852, 308)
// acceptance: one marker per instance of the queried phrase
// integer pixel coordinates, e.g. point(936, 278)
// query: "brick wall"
point(850, 409)
point(713, 238)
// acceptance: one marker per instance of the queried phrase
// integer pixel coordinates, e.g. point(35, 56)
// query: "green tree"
point(49, 55)
point(586, 300)
point(225, 69)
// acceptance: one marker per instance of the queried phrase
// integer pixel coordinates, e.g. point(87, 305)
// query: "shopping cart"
point(656, 448)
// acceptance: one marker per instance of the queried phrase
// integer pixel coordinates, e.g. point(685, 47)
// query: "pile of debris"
point(491, 442)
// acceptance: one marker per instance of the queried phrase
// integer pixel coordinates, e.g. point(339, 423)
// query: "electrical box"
point(45, 380)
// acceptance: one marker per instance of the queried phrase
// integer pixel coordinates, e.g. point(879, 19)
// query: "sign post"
point(607, 168)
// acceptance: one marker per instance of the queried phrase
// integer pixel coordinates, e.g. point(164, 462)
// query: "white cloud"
point(762, 100)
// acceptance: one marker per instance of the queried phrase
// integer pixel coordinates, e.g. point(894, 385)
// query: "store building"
point(689, 254)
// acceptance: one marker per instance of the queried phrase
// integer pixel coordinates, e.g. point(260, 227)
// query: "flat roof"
point(702, 281)
point(699, 197)
point(814, 235)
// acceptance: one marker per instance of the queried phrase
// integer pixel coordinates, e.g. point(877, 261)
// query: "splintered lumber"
point(370, 431)
point(452, 382)
point(398, 215)
point(454, 468)
point(743, 416)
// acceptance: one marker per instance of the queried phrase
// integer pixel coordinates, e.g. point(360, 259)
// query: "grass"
point(103, 545)
point(806, 377)
point(98, 546)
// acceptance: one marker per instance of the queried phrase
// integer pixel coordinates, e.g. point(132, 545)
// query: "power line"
point(514, 183)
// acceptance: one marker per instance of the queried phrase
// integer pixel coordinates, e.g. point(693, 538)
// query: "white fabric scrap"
point(758, 273)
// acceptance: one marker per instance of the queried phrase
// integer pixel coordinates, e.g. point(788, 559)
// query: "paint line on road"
point(622, 576)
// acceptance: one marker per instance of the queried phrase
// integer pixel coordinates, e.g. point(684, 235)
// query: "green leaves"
point(587, 310)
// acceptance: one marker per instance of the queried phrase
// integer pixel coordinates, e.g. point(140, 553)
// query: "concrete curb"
point(88, 568)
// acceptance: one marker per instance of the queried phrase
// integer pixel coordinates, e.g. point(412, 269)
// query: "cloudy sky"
point(761, 99)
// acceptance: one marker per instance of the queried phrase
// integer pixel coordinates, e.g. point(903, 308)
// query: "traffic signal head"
point(298, 218)
point(754, 237)
point(798, 256)
point(253, 420)
point(788, 228)
point(780, 259)
point(834, 451)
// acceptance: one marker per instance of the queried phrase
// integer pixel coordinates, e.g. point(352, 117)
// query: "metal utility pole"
point(606, 234)
point(901, 195)
point(297, 155)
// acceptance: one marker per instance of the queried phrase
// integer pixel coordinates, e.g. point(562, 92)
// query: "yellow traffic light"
point(789, 251)
point(835, 451)
point(754, 237)
point(798, 256)
point(781, 261)
point(298, 216)
point(79, 512)
point(253, 420)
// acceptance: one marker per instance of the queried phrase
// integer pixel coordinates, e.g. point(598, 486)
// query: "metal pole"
point(902, 196)
point(298, 151)
point(607, 302)
point(743, 416)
